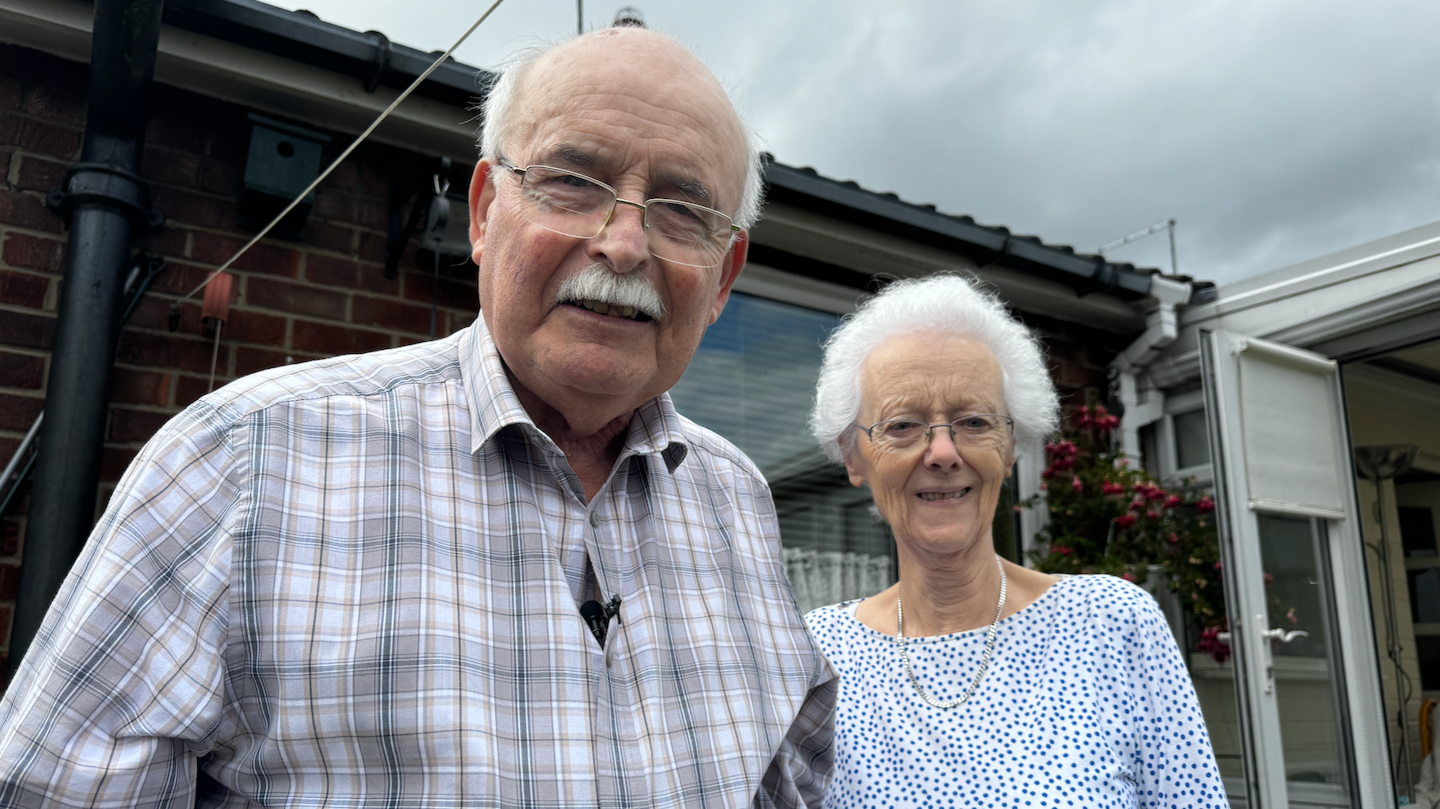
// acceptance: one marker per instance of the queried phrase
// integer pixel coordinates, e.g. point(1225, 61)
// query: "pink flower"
point(1217, 565)
point(1113, 488)
point(1153, 514)
point(1205, 505)
point(1077, 485)
point(1128, 576)
point(1291, 616)
point(1269, 579)
point(1138, 504)
point(1048, 473)
point(1125, 521)
point(1061, 549)
point(1172, 501)
point(1174, 538)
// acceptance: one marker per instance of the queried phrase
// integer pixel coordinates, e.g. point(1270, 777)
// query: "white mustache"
point(597, 283)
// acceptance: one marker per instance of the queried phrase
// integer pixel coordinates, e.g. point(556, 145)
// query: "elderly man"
point(358, 582)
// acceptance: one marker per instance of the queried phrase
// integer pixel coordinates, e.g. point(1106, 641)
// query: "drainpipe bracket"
point(109, 187)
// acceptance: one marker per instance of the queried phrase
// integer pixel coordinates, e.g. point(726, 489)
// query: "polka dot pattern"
point(1087, 703)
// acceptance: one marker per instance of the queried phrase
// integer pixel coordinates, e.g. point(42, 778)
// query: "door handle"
point(1283, 636)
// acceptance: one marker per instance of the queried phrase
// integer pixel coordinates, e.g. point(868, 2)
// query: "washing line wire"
point(326, 173)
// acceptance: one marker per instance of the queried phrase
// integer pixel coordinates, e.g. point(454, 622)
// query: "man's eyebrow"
point(566, 155)
point(691, 188)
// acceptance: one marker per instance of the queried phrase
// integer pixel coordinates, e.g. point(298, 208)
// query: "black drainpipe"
point(103, 198)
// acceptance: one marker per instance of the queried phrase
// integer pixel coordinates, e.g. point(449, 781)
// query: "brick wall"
point(292, 301)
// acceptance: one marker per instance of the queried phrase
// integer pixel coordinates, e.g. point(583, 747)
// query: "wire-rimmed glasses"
point(574, 205)
point(980, 430)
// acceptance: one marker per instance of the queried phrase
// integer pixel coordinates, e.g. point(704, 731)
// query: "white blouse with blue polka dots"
point(1087, 703)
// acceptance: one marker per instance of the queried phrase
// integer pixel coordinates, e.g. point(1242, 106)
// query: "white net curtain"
point(829, 577)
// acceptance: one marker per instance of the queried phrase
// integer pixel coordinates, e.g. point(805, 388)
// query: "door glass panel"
point(1305, 677)
point(1192, 445)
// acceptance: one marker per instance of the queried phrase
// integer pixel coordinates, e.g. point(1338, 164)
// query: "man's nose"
point(622, 243)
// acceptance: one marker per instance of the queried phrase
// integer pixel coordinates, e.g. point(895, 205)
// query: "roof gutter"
point(887, 213)
point(1144, 405)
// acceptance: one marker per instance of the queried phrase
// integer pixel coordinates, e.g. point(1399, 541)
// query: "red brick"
point(39, 136)
point(114, 461)
point(18, 412)
point(26, 330)
point(249, 360)
point(27, 211)
point(21, 370)
point(328, 340)
point(134, 386)
point(333, 205)
point(172, 167)
point(195, 209)
point(390, 314)
point(33, 252)
point(182, 132)
point(245, 326)
point(329, 236)
point(9, 581)
point(374, 215)
point(266, 257)
point(420, 286)
point(218, 177)
point(38, 174)
point(55, 104)
point(344, 178)
point(23, 289)
point(168, 241)
point(287, 297)
point(371, 248)
point(164, 351)
point(179, 278)
point(137, 426)
point(4, 163)
point(347, 274)
point(7, 449)
point(154, 313)
point(10, 90)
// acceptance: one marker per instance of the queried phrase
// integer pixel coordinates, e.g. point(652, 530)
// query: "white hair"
point(498, 111)
point(943, 304)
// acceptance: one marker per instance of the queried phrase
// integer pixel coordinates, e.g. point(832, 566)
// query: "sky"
point(1272, 131)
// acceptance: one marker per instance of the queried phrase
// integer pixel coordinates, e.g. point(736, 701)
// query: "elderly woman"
point(974, 681)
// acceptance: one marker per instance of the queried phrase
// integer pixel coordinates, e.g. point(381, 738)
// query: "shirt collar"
point(654, 427)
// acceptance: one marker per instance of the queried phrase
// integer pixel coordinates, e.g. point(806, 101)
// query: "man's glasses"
point(980, 430)
point(580, 207)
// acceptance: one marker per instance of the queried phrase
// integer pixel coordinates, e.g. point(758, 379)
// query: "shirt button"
point(594, 520)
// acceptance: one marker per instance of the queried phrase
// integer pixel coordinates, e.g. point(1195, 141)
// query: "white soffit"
point(220, 69)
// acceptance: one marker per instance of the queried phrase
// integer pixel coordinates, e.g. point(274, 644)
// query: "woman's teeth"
point(943, 495)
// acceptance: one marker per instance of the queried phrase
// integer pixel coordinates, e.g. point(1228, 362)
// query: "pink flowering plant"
point(1108, 517)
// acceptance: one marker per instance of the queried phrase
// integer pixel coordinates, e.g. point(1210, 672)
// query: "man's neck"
point(591, 455)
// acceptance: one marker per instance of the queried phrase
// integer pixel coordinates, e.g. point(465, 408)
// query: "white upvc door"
point(1307, 680)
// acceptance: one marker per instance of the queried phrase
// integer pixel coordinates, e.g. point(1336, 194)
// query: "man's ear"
point(482, 193)
point(730, 268)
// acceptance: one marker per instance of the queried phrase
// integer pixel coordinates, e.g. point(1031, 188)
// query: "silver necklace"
point(990, 637)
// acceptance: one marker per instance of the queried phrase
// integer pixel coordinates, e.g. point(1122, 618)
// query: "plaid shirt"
point(341, 584)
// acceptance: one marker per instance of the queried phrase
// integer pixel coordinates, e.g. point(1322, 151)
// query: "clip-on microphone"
point(597, 616)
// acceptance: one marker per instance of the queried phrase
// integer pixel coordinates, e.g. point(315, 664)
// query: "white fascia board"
point(867, 251)
point(220, 69)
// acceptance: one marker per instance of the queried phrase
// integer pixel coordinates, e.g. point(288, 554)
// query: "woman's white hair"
point(498, 113)
point(944, 304)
